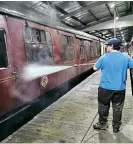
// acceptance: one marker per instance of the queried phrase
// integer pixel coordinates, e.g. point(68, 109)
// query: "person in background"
point(113, 65)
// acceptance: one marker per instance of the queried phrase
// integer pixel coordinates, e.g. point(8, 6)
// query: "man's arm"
point(98, 64)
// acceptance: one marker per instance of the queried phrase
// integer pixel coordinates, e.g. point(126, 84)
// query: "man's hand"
point(75, 65)
point(95, 68)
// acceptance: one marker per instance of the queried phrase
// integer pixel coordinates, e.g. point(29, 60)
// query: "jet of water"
point(33, 71)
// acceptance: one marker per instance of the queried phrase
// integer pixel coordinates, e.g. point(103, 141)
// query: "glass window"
point(40, 50)
point(83, 48)
point(36, 35)
point(67, 48)
point(87, 44)
point(27, 34)
point(95, 49)
point(3, 50)
point(71, 41)
point(49, 41)
point(43, 38)
point(64, 40)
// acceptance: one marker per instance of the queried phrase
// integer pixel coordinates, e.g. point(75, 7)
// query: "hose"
point(89, 128)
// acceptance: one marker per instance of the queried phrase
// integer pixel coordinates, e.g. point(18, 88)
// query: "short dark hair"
point(116, 48)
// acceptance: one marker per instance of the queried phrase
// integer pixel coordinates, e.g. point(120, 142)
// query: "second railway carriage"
point(24, 42)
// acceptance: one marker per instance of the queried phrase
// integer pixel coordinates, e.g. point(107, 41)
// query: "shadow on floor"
point(107, 137)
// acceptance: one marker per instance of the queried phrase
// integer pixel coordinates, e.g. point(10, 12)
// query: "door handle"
point(16, 72)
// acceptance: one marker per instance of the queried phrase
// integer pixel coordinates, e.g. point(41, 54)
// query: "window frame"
point(80, 40)
point(5, 38)
point(36, 30)
point(51, 43)
point(68, 44)
point(42, 42)
point(30, 34)
point(31, 40)
point(91, 51)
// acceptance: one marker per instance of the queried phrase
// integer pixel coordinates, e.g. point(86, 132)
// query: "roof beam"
point(110, 32)
point(84, 9)
point(95, 35)
point(81, 3)
point(109, 10)
point(102, 34)
point(130, 5)
point(93, 23)
point(93, 15)
point(127, 4)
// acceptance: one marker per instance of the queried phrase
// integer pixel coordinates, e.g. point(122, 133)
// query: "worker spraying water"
point(112, 87)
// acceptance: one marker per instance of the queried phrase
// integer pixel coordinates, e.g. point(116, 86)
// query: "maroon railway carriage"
point(23, 42)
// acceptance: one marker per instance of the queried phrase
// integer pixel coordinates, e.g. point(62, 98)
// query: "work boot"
point(115, 129)
point(99, 126)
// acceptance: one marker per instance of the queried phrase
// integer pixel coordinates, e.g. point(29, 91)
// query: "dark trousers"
point(104, 98)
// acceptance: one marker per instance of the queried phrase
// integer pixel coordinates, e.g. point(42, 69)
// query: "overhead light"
point(112, 5)
point(125, 43)
point(120, 28)
point(117, 18)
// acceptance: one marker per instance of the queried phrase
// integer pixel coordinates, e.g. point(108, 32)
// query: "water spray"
point(33, 71)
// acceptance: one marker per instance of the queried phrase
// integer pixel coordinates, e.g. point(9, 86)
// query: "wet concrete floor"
point(71, 119)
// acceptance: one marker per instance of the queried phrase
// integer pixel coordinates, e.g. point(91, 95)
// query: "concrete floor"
point(70, 119)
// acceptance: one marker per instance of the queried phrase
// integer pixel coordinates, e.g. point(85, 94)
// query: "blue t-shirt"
point(114, 67)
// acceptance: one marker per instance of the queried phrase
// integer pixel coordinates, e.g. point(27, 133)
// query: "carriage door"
point(15, 28)
point(6, 68)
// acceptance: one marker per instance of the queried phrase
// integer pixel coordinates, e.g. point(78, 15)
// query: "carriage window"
point(64, 40)
point(3, 50)
point(95, 49)
point(28, 34)
point(83, 48)
point(43, 38)
point(36, 35)
point(71, 40)
point(49, 41)
point(67, 48)
point(39, 50)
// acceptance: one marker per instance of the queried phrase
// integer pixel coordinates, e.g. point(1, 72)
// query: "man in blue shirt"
point(113, 67)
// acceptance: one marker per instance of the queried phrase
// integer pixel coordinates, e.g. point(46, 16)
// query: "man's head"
point(113, 44)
